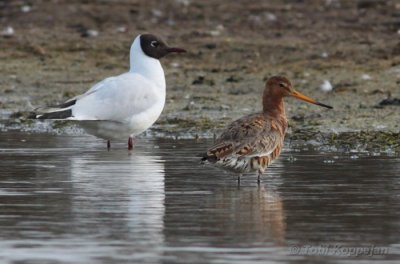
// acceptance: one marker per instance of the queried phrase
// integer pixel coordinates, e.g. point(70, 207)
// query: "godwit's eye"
point(154, 43)
point(282, 85)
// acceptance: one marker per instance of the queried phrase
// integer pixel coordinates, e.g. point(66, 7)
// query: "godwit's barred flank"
point(253, 142)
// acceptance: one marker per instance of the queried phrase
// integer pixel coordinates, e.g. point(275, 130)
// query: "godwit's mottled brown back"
point(249, 143)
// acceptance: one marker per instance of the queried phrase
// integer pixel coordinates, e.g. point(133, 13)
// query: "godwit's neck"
point(273, 105)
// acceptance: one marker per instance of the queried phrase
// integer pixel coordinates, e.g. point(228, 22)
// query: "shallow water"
point(65, 199)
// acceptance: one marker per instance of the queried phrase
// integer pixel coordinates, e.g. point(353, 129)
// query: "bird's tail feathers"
point(60, 111)
point(205, 158)
point(53, 113)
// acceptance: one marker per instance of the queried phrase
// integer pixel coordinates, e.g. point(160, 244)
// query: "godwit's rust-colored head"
point(278, 87)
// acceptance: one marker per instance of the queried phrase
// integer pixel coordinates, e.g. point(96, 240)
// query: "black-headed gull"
point(124, 105)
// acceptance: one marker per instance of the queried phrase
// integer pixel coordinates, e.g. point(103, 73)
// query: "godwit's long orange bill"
point(303, 97)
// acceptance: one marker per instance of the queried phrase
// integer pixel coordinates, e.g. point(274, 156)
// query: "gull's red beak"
point(177, 50)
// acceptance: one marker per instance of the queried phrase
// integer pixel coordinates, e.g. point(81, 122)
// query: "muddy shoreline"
point(54, 54)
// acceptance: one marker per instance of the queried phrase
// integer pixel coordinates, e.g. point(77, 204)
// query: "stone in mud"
point(234, 79)
point(202, 80)
point(390, 101)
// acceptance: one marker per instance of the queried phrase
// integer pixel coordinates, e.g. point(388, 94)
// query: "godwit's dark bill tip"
point(324, 105)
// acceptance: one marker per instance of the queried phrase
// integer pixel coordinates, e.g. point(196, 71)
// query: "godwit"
point(253, 142)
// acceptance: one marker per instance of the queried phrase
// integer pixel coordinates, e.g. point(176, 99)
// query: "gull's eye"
point(154, 43)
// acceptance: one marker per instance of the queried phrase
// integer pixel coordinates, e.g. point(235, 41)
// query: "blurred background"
point(343, 53)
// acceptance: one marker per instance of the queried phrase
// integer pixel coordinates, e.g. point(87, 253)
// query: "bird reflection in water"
point(251, 213)
point(120, 196)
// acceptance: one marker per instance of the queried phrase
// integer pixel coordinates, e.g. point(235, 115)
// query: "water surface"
point(66, 199)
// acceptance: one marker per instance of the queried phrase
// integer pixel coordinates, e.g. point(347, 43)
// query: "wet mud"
point(343, 53)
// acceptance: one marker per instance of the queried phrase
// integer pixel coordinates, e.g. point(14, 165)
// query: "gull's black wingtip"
point(56, 114)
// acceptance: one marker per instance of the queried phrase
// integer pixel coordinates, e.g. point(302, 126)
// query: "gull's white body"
point(124, 105)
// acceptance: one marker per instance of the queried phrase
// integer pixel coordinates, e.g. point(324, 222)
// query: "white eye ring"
point(154, 43)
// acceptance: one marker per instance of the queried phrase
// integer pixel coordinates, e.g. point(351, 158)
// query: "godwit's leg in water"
point(239, 176)
point(108, 145)
point(130, 143)
point(260, 172)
